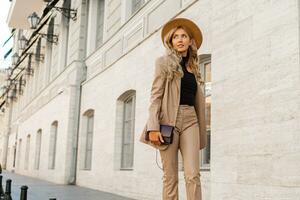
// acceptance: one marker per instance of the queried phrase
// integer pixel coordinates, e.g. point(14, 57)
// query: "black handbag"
point(166, 132)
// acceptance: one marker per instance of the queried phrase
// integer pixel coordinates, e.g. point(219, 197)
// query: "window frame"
point(92, 11)
point(19, 153)
point(52, 146)
point(89, 114)
point(100, 33)
point(49, 52)
point(132, 12)
point(204, 60)
point(27, 152)
point(38, 148)
point(127, 12)
point(127, 99)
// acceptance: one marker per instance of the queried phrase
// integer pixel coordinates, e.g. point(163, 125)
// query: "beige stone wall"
point(255, 100)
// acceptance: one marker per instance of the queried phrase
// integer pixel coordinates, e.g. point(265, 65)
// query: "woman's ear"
point(190, 42)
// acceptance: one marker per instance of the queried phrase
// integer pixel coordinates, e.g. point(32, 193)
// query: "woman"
point(177, 100)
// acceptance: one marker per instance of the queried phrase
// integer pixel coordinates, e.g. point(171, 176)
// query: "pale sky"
point(4, 33)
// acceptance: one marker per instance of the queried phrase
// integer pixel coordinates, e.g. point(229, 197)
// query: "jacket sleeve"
point(157, 91)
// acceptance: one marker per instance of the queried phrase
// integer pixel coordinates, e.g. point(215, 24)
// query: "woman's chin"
point(181, 50)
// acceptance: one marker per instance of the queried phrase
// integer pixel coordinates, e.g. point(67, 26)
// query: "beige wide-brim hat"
point(193, 28)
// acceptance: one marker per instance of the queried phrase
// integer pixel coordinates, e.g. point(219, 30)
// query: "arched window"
point(19, 153)
point(87, 139)
point(27, 152)
point(124, 135)
point(52, 145)
point(205, 68)
point(38, 149)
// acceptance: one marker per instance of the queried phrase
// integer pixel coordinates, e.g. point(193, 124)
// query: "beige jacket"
point(164, 104)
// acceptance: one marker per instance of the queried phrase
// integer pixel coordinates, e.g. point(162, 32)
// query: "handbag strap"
point(157, 161)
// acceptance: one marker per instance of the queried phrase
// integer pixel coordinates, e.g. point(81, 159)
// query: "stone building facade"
point(3, 123)
point(85, 98)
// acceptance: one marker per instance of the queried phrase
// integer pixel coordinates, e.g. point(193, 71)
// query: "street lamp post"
point(33, 20)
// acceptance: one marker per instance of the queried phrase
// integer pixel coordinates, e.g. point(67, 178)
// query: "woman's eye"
point(181, 36)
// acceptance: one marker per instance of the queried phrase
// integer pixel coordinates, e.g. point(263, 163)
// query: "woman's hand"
point(155, 137)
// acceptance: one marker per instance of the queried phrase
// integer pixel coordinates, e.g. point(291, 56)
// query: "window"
point(205, 68)
point(87, 139)
point(38, 149)
point(100, 23)
point(33, 82)
point(86, 8)
point(38, 51)
point(127, 143)
point(65, 21)
point(19, 153)
point(52, 145)
point(28, 79)
point(124, 135)
point(127, 132)
point(130, 7)
point(95, 24)
point(49, 46)
point(136, 5)
point(27, 153)
point(36, 78)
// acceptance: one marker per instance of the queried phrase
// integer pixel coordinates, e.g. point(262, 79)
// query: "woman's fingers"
point(155, 137)
point(161, 138)
point(156, 141)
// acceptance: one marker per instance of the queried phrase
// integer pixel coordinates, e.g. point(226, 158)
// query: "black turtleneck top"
point(188, 85)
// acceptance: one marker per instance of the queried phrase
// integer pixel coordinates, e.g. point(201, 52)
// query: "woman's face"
point(181, 41)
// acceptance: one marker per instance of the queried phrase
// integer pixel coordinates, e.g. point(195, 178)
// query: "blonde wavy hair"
point(173, 67)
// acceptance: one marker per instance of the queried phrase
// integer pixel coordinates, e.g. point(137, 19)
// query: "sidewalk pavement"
point(44, 190)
